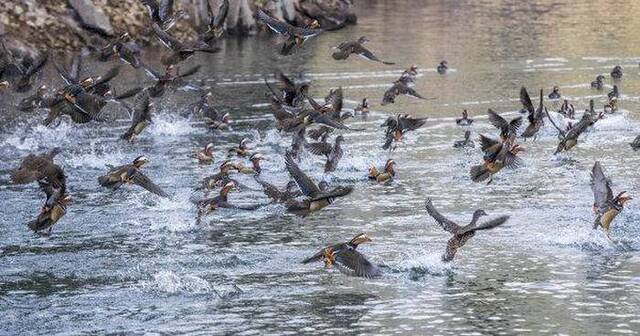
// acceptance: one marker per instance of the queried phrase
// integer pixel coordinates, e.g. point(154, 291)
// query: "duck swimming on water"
point(443, 67)
point(461, 234)
point(555, 93)
point(598, 84)
point(465, 120)
point(387, 174)
point(616, 73)
point(467, 142)
point(362, 108)
point(346, 258)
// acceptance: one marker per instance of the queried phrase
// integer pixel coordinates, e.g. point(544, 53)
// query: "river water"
point(129, 262)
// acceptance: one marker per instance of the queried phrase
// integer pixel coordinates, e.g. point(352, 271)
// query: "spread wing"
point(526, 100)
point(601, 187)
point(276, 25)
point(166, 39)
point(137, 177)
point(354, 263)
point(152, 8)
point(269, 189)
point(36, 66)
point(306, 185)
point(64, 74)
point(217, 20)
point(76, 67)
point(166, 9)
point(486, 142)
point(319, 148)
point(325, 120)
point(406, 90)
point(496, 120)
point(512, 161)
point(335, 98)
point(410, 123)
point(445, 223)
point(486, 225)
point(107, 77)
point(365, 53)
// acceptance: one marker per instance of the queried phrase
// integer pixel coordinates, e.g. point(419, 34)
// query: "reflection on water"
point(128, 262)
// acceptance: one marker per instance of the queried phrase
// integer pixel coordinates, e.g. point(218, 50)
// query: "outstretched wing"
point(306, 185)
point(601, 187)
point(365, 53)
point(526, 100)
point(166, 39)
point(486, 225)
point(352, 262)
point(410, 123)
point(276, 25)
point(486, 142)
point(319, 148)
point(444, 222)
point(137, 177)
point(496, 120)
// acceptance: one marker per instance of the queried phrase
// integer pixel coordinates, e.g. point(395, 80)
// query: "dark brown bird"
point(386, 174)
point(130, 174)
point(465, 120)
point(636, 143)
point(35, 167)
point(180, 51)
point(605, 207)
point(315, 199)
point(215, 25)
point(333, 153)
point(398, 126)
point(162, 13)
point(497, 155)
point(295, 36)
point(55, 206)
point(467, 142)
point(141, 116)
point(290, 192)
point(399, 88)
point(535, 116)
point(292, 93)
point(461, 234)
point(346, 258)
point(171, 78)
point(344, 49)
point(569, 138)
point(508, 130)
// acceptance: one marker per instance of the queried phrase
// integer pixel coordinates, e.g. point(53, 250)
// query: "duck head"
point(229, 187)
point(4, 85)
point(622, 198)
point(479, 213)
point(244, 144)
point(314, 24)
point(208, 149)
point(141, 161)
point(292, 187)
point(359, 239)
point(388, 167)
point(363, 40)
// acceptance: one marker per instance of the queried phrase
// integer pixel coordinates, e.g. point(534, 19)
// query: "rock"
point(92, 17)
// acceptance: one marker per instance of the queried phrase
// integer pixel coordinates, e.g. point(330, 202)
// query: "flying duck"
point(314, 198)
point(55, 206)
point(296, 36)
point(508, 130)
point(346, 258)
point(162, 13)
point(398, 126)
point(255, 168)
point(461, 234)
point(290, 192)
point(497, 155)
point(535, 117)
point(333, 153)
point(344, 49)
point(397, 89)
point(130, 174)
point(141, 116)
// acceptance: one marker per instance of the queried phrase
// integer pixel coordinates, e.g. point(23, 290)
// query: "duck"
point(320, 134)
point(616, 73)
point(567, 110)
point(333, 153)
point(23, 78)
point(170, 78)
point(461, 234)
point(179, 51)
point(508, 130)
point(346, 258)
point(345, 49)
point(467, 142)
point(569, 138)
point(387, 174)
point(443, 67)
point(332, 104)
point(497, 155)
point(205, 155)
point(35, 167)
point(535, 117)
point(33, 101)
point(408, 76)
point(598, 84)
point(290, 191)
point(314, 199)
point(605, 206)
point(255, 168)
point(219, 179)
point(635, 144)
point(292, 93)
point(555, 93)
point(397, 89)
point(215, 25)
point(55, 206)
point(209, 204)
point(242, 150)
point(398, 126)
point(162, 13)
point(465, 120)
point(362, 108)
point(124, 48)
point(614, 93)
point(611, 106)
point(296, 36)
point(141, 116)
point(130, 174)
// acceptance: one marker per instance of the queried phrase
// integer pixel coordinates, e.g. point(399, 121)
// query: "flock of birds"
point(295, 112)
